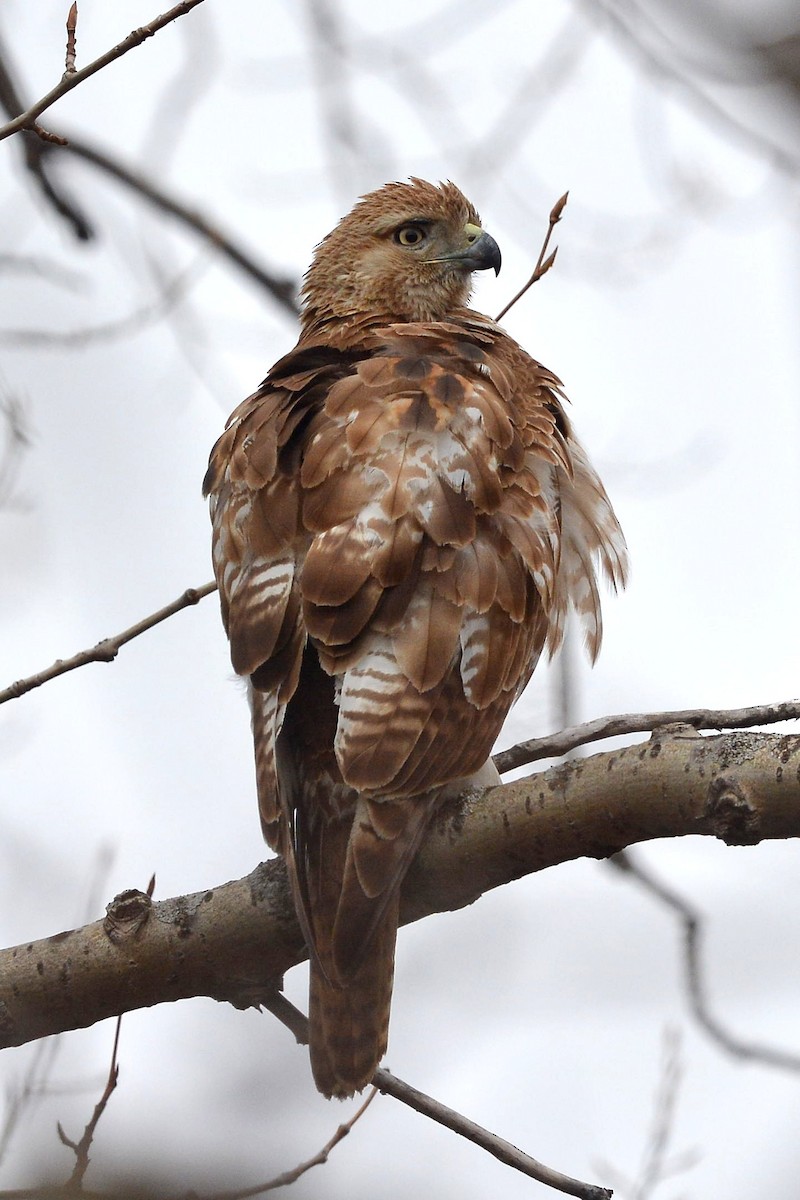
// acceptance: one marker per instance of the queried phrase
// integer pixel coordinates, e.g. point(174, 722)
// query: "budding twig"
point(543, 264)
point(72, 25)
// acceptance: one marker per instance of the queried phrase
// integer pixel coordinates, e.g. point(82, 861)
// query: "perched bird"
point(401, 519)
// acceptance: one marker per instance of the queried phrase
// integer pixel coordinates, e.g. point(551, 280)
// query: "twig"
point(16, 441)
point(172, 293)
point(692, 949)
point(507, 1153)
point(673, 73)
point(656, 1167)
point(556, 744)
point(283, 290)
point(20, 1098)
point(497, 1146)
point(70, 80)
point(36, 156)
point(543, 264)
point(41, 267)
point(82, 1148)
point(72, 26)
point(288, 1177)
point(107, 650)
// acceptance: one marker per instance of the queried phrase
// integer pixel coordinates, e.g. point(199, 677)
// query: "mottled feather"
point(402, 518)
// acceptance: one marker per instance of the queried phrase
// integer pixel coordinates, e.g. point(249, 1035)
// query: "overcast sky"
point(672, 318)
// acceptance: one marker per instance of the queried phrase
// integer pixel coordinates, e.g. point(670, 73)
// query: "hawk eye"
point(409, 235)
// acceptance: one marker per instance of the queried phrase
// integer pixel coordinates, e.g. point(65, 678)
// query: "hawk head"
point(404, 253)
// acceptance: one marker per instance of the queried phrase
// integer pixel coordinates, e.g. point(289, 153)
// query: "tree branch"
point(81, 1149)
point(505, 1151)
point(107, 650)
point(692, 924)
point(234, 942)
point(556, 744)
point(38, 153)
point(281, 289)
point(36, 158)
point(450, 1118)
point(71, 79)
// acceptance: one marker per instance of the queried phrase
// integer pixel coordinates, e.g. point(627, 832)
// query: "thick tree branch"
point(234, 942)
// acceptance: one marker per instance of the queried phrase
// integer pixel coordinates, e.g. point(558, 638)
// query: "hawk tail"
point(349, 1020)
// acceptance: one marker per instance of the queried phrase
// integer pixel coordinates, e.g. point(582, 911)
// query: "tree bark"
point(235, 941)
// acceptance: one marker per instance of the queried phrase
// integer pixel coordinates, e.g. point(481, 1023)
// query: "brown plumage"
point(402, 517)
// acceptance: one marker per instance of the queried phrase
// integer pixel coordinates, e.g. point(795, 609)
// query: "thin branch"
point(70, 80)
point(543, 264)
point(39, 155)
point(693, 932)
point(107, 650)
point(283, 290)
point(81, 1149)
point(656, 1167)
point(16, 441)
point(556, 744)
point(173, 291)
point(285, 1179)
point(297, 1023)
point(505, 1151)
point(659, 67)
point(288, 1177)
point(21, 1097)
point(41, 267)
point(36, 157)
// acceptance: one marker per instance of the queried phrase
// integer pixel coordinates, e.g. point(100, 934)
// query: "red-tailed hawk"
point(402, 518)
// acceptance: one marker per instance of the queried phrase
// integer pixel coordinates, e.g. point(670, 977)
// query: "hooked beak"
point(481, 252)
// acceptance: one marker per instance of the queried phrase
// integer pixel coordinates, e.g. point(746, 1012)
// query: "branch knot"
point(731, 814)
point(126, 915)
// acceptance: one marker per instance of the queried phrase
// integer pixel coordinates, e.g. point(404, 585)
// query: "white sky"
point(672, 318)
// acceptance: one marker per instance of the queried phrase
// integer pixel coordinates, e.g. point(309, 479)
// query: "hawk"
point(402, 518)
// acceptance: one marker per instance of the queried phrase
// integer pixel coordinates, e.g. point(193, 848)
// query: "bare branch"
point(281, 289)
point(36, 157)
point(543, 264)
point(617, 18)
point(235, 942)
point(556, 744)
point(384, 1081)
point(289, 1177)
point(173, 291)
point(656, 1167)
point(16, 441)
point(505, 1151)
point(82, 1148)
point(38, 154)
point(21, 1097)
point(107, 650)
point(692, 950)
point(70, 80)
